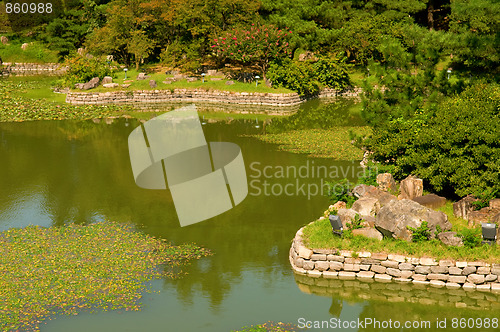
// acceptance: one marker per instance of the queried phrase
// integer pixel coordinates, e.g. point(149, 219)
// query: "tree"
point(140, 46)
point(455, 147)
point(255, 45)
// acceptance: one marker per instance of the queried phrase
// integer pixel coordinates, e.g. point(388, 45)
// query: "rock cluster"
point(344, 264)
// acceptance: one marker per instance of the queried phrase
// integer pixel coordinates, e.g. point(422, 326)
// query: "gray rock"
point(25, 46)
point(457, 279)
point(107, 79)
point(367, 206)
point(406, 267)
point(299, 262)
point(321, 265)
point(336, 266)
point(378, 269)
point(386, 182)
point(318, 257)
point(411, 187)
point(368, 232)
point(153, 84)
point(4, 40)
point(142, 76)
point(111, 85)
point(229, 82)
point(431, 201)
point(79, 86)
point(191, 79)
point(93, 83)
point(422, 269)
point(308, 265)
point(463, 207)
point(455, 271)
point(476, 278)
point(364, 190)
point(125, 85)
point(490, 278)
point(394, 218)
point(393, 272)
point(390, 264)
point(439, 269)
point(495, 203)
point(468, 270)
point(346, 216)
point(450, 239)
point(437, 276)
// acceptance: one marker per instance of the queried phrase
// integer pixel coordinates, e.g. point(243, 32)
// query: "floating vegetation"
point(16, 107)
point(322, 143)
point(270, 327)
point(62, 270)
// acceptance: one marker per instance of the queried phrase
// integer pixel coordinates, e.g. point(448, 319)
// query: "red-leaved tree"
point(255, 45)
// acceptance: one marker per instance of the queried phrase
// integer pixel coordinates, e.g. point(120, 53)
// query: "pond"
point(54, 173)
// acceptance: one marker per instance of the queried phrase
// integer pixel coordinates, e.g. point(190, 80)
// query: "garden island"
point(370, 133)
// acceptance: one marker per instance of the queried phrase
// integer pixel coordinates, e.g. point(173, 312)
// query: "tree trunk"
point(430, 15)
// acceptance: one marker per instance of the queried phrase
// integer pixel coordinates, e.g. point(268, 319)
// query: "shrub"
point(82, 68)
point(420, 233)
point(332, 72)
point(293, 75)
point(471, 237)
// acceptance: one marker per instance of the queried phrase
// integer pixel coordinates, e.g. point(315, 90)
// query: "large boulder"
point(368, 206)
point(495, 203)
point(386, 182)
point(4, 40)
point(463, 207)
point(369, 232)
point(142, 76)
point(93, 83)
point(394, 218)
point(365, 191)
point(153, 84)
point(431, 201)
point(107, 79)
point(486, 214)
point(346, 216)
point(411, 187)
point(450, 239)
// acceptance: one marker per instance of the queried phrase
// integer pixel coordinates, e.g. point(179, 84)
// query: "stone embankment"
point(198, 95)
point(344, 264)
point(28, 69)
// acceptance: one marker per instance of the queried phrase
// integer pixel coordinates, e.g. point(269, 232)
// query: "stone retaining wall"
point(27, 69)
point(198, 95)
point(344, 264)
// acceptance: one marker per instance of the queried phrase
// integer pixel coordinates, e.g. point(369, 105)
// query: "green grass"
point(62, 270)
point(35, 53)
point(183, 84)
point(323, 143)
point(319, 235)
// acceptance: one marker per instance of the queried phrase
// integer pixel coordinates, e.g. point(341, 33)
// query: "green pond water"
point(54, 173)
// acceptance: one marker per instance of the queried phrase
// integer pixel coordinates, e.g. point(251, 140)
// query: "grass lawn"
point(183, 84)
point(319, 235)
point(62, 270)
point(323, 143)
point(35, 53)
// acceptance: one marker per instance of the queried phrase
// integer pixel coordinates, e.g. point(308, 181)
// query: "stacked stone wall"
point(345, 264)
point(28, 69)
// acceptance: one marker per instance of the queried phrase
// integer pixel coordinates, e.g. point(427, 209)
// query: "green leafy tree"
point(140, 46)
point(455, 147)
point(294, 75)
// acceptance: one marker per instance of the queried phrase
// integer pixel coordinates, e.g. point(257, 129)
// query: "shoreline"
point(383, 267)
